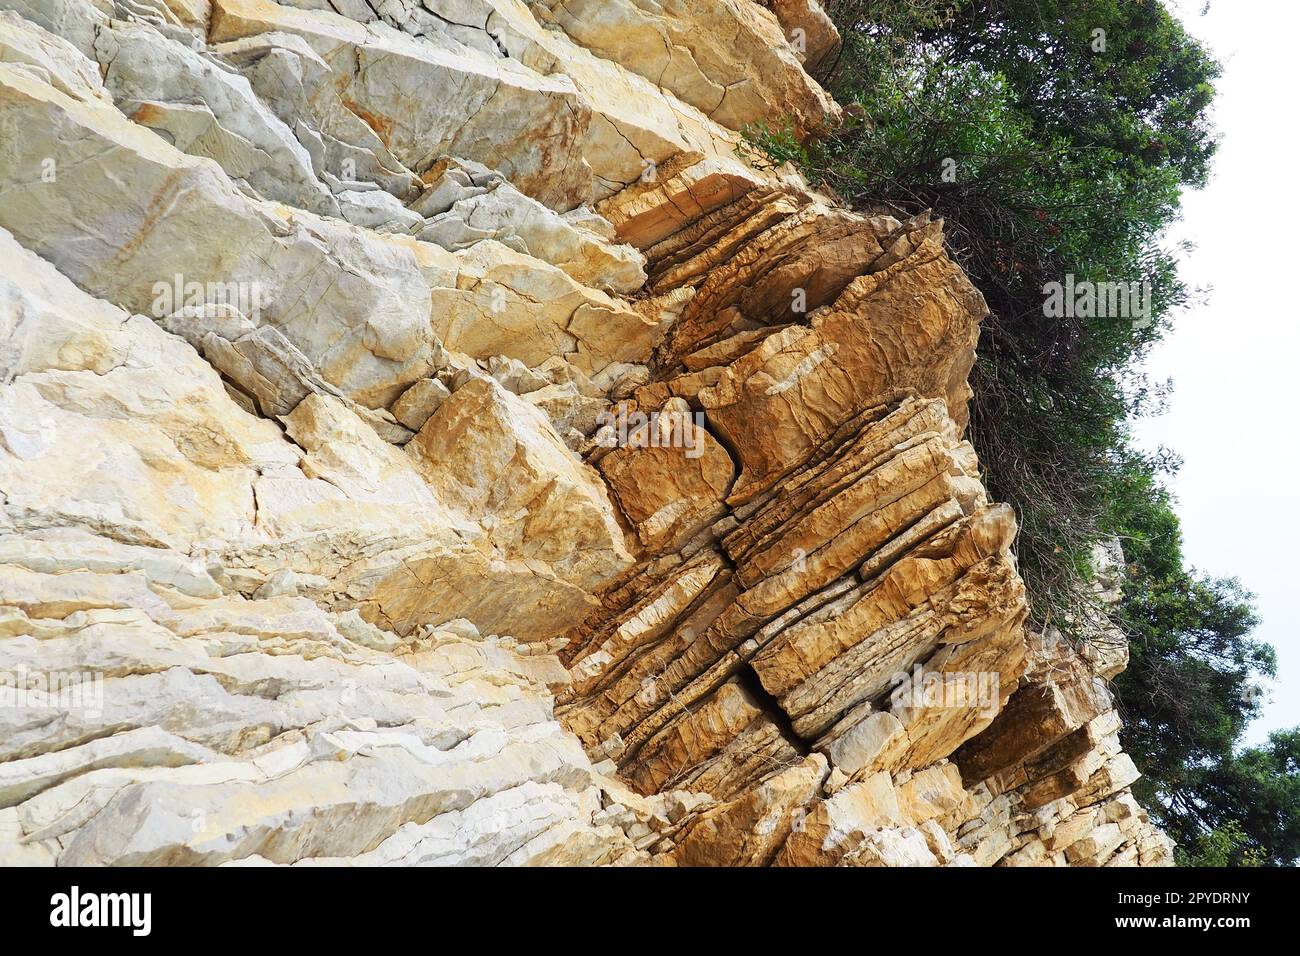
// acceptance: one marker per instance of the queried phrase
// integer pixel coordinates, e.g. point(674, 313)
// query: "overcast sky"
point(1233, 416)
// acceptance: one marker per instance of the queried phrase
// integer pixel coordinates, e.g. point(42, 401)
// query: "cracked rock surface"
point(427, 437)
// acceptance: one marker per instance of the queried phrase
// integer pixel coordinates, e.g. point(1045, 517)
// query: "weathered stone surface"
point(670, 476)
point(751, 830)
point(487, 452)
point(466, 203)
point(427, 438)
point(730, 60)
point(529, 134)
point(812, 34)
point(873, 333)
point(1038, 717)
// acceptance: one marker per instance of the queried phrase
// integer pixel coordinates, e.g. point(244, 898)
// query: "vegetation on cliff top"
point(1055, 137)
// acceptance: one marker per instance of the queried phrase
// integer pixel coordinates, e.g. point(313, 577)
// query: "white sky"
point(1234, 416)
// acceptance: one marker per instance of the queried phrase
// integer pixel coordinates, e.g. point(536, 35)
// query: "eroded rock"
point(427, 438)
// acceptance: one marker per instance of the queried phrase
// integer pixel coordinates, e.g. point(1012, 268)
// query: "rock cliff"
point(429, 435)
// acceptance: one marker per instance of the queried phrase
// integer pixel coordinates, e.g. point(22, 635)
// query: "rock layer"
point(426, 437)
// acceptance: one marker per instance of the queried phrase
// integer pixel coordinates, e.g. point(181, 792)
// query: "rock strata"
point(429, 436)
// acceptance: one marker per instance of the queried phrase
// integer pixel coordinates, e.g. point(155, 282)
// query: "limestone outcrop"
point(428, 436)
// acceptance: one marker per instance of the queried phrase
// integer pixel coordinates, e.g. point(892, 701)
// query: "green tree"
point(1246, 807)
point(1190, 691)
point(1187, 694)
point(1226, 846)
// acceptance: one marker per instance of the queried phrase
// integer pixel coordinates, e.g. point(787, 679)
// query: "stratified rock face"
point(425, 438)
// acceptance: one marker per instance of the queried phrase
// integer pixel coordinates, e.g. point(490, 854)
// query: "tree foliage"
point(1190, 691)
point(1245, 811)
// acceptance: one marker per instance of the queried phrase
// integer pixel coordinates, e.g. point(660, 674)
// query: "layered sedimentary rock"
point(427, 437)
